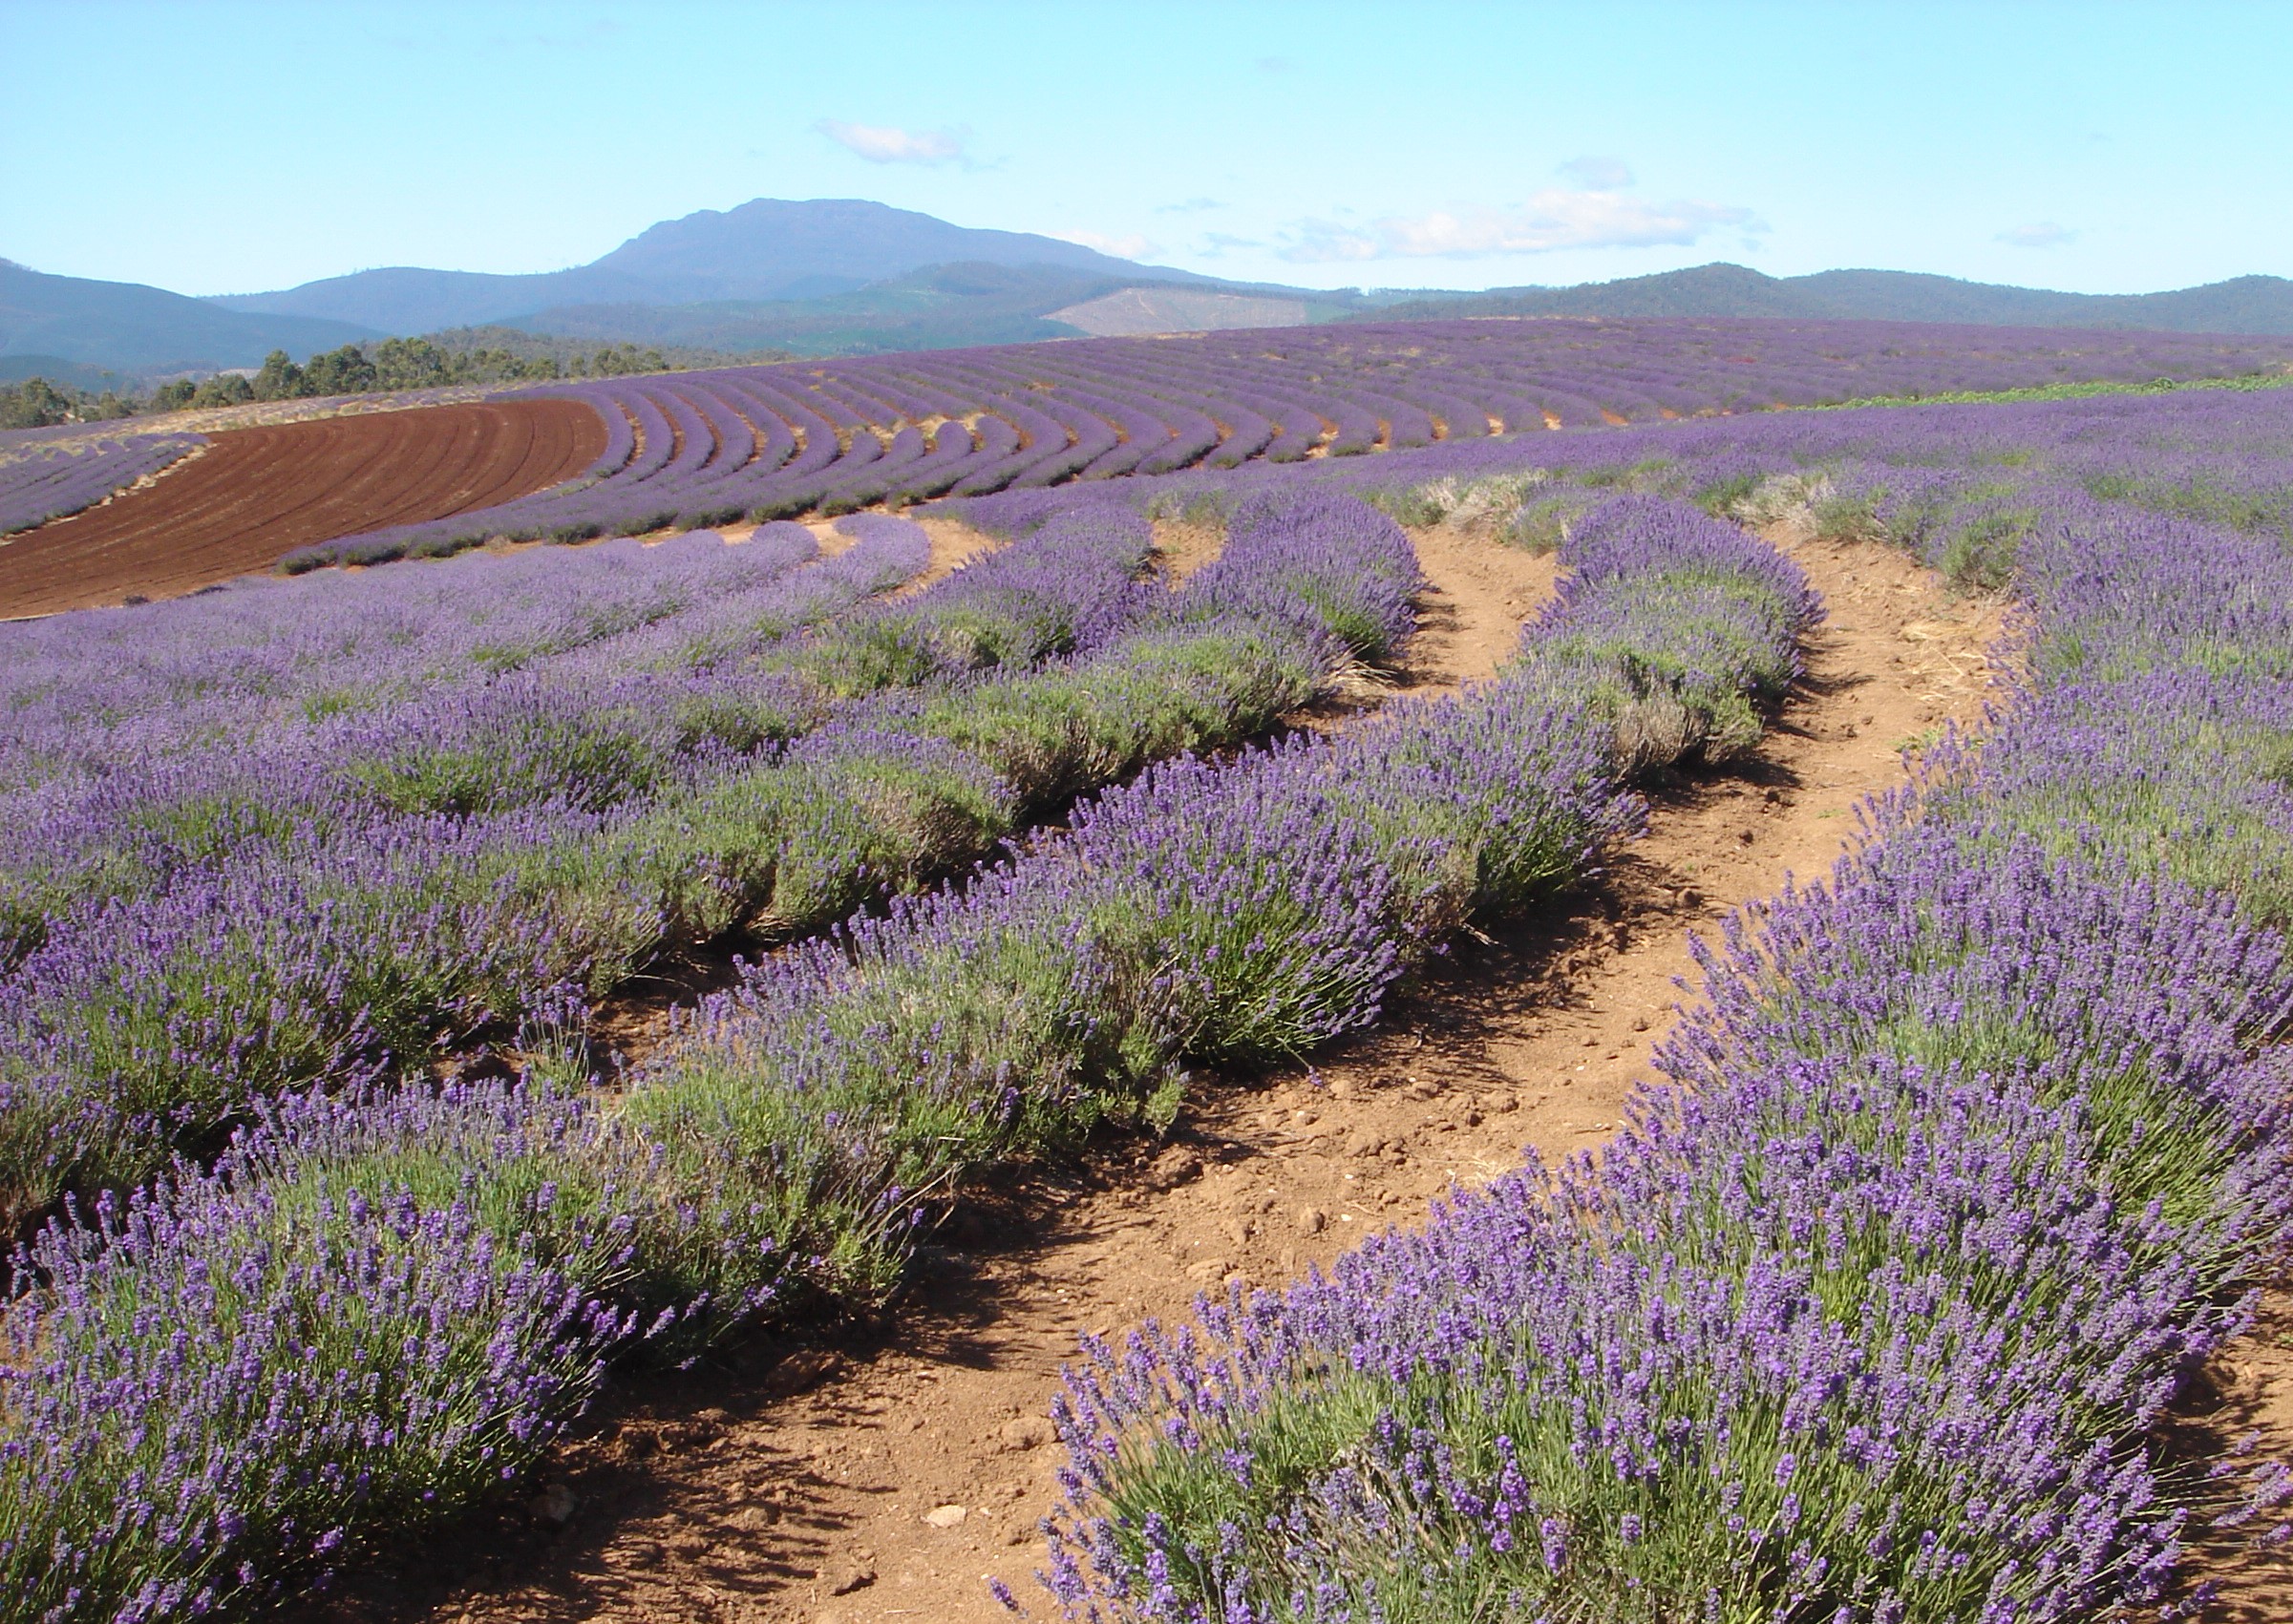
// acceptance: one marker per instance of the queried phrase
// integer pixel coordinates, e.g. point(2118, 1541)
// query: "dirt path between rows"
point(1469, 617)
point(888, 1477)
point(2246, 1392)
point(953, 543)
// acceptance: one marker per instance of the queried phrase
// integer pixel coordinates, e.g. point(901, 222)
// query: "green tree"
point(412, 364)
point(35, 403)
point(339, 371)
point(279, 379)
point(224, 389)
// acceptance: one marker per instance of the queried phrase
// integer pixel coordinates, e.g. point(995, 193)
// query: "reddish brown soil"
point(1470, 616)
point(256, 495)
point(879, 1477)
point(2246, 1393)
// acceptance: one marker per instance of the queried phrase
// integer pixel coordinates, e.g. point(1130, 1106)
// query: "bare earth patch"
point(255, 495)
point(953, 542)
point(2246, 1393)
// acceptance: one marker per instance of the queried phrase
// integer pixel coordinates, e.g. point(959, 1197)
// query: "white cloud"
point(1132, 246)
point(887, 143)
point(2038, 234)
point(1597, 174)
point(1192, 205)
point(1548, 223)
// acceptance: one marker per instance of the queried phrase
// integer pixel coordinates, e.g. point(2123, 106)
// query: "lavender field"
point(39, 481)
point(337, 1213)
point(1971, 1152)
point(703, 448)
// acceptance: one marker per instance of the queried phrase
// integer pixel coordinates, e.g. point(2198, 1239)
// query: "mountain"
point(937, 307)
point(72, 374)
point(2246, 304)
point(842, 276)
point(404, 299)
point(130, 328)
point(1137, 311)
point(764, 250)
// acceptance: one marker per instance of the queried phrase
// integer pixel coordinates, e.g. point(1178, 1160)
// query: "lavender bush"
point(1678, 631)
point(781, 1146)
point(453, 869)
point(216, 1387)
point(1972, 1153)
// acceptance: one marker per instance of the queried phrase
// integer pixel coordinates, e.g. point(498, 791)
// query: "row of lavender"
point(376, 1306)
point(331, 867)
point(1958, 485)
point(295, 831)
point(707, 448)
point(1972, 1155)
point(38, 483)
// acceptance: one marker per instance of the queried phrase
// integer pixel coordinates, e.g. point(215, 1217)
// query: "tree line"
point(469, 355)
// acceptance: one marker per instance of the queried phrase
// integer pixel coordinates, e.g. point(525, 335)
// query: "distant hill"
point(846, 277)
point(767, 251)
point(1140, 310)
point(2246, 304)
point(937, 307)
point(126, 326)
point(94, 379)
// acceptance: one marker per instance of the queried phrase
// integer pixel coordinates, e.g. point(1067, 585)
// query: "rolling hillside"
point(129, 328)
point(846, 277)
point(2246, 304)
point(768, 249)
point(936, 307)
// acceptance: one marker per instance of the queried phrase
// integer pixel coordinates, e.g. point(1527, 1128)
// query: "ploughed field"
point(324, 900)
point(251, 496)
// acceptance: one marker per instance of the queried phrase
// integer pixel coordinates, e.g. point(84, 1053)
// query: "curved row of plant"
point(39, 483)
point(1959, 486)
point(769, 442)
point(142, 743)
point(340, 901)
point(229, 873)
point(1874, 1312)
point(371, 1310)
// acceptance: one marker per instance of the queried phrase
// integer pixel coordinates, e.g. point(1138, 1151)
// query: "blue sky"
point(217, 148)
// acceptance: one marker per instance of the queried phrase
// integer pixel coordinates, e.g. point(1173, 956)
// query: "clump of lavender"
point(222, 1389)
point(1869, 1316)
point(1276, 561)
point(1851, 1323)
point(1675, 629)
